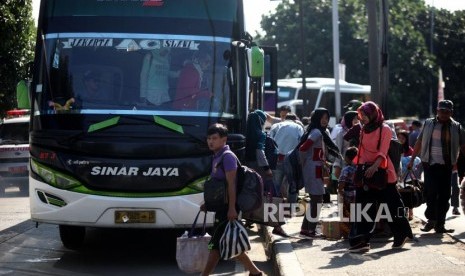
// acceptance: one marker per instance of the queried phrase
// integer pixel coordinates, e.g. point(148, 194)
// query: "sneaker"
point(399, 243)
point(428, 226)
point(312, 234)
point(455, 211)
point(360, 248)
point(248, 224)
point(280, 232)
point(442, 229)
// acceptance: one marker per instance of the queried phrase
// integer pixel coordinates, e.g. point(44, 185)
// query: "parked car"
point(320, 92)
point(399, 124)
point(14, 151)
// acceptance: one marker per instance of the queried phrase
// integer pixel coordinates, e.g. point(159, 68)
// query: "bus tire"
point(71, 236)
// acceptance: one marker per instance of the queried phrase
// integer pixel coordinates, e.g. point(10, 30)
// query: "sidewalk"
point(430, 254)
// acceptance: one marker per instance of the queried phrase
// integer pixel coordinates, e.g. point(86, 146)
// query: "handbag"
point(273, 215)
point(411, 190)
point(377, 181)
point(192, 251)
point(270, 204)
point(234, 240)
point(215, 194)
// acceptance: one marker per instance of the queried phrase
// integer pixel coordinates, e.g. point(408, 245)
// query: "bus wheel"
point(72, 237)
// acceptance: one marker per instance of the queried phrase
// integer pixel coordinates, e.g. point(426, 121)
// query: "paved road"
point(14, 208)
point(430, 254)
point(27, 250)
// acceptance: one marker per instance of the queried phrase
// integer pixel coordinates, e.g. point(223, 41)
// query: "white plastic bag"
point(234, 240)
point(192, 251)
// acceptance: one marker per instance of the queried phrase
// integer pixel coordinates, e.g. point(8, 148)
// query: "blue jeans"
point(279, 178)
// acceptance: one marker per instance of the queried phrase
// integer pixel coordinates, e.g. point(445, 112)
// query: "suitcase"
point(331, 229)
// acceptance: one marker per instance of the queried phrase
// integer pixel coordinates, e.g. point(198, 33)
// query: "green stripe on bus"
point(103, 124)
point(192, 188)
point(168, 124)
point(185, 191)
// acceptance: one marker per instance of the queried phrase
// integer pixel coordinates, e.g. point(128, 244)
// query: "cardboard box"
point(330, 228)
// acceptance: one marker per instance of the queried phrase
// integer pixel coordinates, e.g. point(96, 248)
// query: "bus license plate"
point(147, 216)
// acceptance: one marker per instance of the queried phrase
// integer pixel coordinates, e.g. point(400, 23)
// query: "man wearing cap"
point(95, 89)
point(353, 105)
point(438, 146)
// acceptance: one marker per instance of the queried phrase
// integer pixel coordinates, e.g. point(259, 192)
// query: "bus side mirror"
point(22, 95)
point(255, 62)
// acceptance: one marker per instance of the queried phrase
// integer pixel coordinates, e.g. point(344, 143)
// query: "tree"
point(16, 50)
point(448, 48)
point(412, 68)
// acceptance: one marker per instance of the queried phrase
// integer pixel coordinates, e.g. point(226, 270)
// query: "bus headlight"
point(53, 177)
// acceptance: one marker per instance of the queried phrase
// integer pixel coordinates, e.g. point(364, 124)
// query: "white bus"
point(319, 93)
point(133, 160)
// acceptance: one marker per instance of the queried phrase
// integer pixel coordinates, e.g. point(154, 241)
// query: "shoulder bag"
point(377, 181)
point(215, 192)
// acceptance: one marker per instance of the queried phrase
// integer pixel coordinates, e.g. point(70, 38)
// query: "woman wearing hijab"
point(316, 144)
point(374, 131)
point(255, 143)
point(255, 152)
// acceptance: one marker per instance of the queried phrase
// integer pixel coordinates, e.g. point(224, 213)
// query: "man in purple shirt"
point(224, 166)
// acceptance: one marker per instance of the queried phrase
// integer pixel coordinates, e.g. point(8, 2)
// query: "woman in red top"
point(190, 87)
point(386, 201)
point(407, 150)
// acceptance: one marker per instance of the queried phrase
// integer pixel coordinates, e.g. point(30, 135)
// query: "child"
point(346, 188)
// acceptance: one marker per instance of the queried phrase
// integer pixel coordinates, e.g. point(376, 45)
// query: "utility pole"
point(337, 90)
point(431, 50)
point(384, 63)
point(302, 48)
point(373, 51)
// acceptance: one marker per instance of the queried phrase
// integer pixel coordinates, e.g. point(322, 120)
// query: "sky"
point(255, 8)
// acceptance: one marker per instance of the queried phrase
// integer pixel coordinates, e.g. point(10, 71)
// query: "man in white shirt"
point(287, 135)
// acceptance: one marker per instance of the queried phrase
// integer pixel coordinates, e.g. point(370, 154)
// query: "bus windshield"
point(100, 58)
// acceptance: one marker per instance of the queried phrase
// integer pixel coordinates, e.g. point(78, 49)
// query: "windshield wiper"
point(112, 122)
point(12, 142)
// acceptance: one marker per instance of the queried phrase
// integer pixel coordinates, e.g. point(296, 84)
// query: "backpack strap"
point(222, 157)
point(379, 140)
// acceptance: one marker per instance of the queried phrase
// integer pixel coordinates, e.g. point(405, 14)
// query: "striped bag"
point(234, 240)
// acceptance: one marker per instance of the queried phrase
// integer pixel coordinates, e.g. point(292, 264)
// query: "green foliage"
point(17, 48)
point(412, 68)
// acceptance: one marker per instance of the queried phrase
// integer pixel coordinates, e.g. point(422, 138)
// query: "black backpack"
point(394, 151)
point(292, 168)
point(249, 187)
point(293, 171)
point(271, 152)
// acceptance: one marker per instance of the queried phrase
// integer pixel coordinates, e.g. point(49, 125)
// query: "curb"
point(281, 252)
